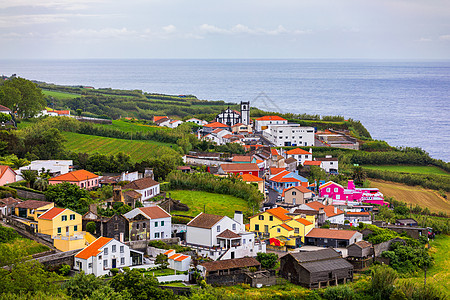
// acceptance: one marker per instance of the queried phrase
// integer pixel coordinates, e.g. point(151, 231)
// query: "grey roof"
point(328, 265)
point(318, 255)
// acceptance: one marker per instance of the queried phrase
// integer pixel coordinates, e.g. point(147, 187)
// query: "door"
point(114, 263)
point(232, 255)
point(67, 230)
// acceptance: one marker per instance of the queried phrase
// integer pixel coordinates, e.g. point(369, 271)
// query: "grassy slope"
point(60, 95)
point(413, 194)
point(217, 204)
point(439, 273)
point(138, 150)
point(409, 169)
point(131, 127)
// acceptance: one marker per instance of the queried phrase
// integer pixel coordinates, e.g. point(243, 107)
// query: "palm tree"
point(41, 183)
point(19, 162)
point(30, 177)
point(359, 175)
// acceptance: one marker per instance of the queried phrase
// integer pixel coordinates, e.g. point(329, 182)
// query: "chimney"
point(93, 208)
point(335, 210)
point(148, 173)
point(321, 211)
point(239, 217)
point(310, 150)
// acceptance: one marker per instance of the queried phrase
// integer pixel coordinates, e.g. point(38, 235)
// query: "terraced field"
point(60, 95)
point(137, 150)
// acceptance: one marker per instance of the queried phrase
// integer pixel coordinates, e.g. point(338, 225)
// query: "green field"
point(137, 150)
point(60, 95)
point(216, 204)
point(131, 127)
point(408, 169)
point(439, 272)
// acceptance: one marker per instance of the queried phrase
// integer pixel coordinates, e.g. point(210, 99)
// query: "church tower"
point(245, 113)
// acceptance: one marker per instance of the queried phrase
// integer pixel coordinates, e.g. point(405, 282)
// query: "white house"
point(329, 164)
point(220, 237)
point(175, 123)
point(149, 223)
point(177, 261)
point(105, 254)
point(289, 135)
point(55, 167)
point(299, 155)
point(197, 121)
point(217, 136)
point(146, 186)
point(264, 122)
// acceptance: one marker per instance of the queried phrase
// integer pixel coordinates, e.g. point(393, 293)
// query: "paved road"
point(271, 198)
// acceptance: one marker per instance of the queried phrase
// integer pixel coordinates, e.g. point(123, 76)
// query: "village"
point(312, 233)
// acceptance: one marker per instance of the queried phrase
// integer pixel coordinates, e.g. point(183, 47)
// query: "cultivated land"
point(137, 150)
point(216, 204)
point(131, 127)
point(60, 94)
point(413, 195)
point(409, 169)
point(440, 248)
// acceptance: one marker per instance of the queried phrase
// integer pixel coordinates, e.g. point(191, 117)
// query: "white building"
point(149, 223)
point(130, 176)
point(146, 186)
point(299, 155)
point(197, 121)
point(217, 136)
point(177, 261)
point(329, 164)
point(55, 167)
point(220, 237)
point(105, 254)
point(289, 135)
point(264, 122)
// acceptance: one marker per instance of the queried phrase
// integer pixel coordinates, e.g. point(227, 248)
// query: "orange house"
point(84, 179)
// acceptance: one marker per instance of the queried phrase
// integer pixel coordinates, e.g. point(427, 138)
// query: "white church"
point(232, 117)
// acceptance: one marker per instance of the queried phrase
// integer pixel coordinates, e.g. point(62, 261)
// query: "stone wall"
point(30, 195)
point(59, 258)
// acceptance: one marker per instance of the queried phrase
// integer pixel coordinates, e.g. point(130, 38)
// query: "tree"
point(90, 227)
point(30, 177)
point(4, 118)
point(22, 96)
point(79, 112)
point(162, 261)
point(358, 175)
point(19, 162)
point(81, 286)
point(383, 279)
point(267, 260)
point(69, 196)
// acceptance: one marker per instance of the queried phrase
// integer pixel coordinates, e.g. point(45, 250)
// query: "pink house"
point(351, 194)
point(7, 175)
point(84, 179)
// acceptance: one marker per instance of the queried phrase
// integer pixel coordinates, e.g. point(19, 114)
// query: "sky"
point(304, 29)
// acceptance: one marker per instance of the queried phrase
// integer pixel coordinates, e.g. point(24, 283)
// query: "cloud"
point(424, 40)
point(243, 29)
point(57, 4)
point(25, 20)
point(104, 33)
point(169, 29)
point(445, 37)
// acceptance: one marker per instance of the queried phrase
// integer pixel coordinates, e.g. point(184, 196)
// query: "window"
point(75, 228)
point(156, 224)
point(266, 228)
point(156, 235)
point(278, 230)
point(261, 217)
point(137, 226)
point(294, 193)
point(121, 249)
point(105, 263)
point(122, 260)
point(88, 183)
point(328, 190)
point(162, 223)
point(256, 227)
point(296, 230)
point(335, 190)
point(116, 226)
point(82, 185)
point(145, 226)
point(90, 265)
point(233, 226)
point(218, 228)
point(63, 218)
point(105, 251)
point(270, 218)
point(72, 217)
point(243, 241)
point(59, 229)
point(113, 248)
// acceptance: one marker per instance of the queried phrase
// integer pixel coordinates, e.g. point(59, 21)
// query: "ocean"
point(405, 103)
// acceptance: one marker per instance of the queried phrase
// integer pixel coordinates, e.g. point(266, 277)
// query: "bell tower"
point(245, 113)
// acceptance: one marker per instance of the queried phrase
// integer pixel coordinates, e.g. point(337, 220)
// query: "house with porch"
point(105, 254)
point(220, 237)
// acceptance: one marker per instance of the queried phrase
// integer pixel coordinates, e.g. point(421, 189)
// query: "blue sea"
point(405, 103)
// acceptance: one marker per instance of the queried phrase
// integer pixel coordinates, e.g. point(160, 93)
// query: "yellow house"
point(249, 178)
point(283, 231)
point(301, 227)
point(32, 209)
point(262, 222)
point(59, 221)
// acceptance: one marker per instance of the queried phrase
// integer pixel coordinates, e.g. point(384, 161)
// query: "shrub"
point(114, 271)
point(340, 292)
point(64, 270)
point(90, 227)
point(267, 260)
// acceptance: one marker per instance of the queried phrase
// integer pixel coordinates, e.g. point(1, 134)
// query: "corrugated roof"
point(298, 151)
point(51, 213)
point(236, 263)
point(205, 221)
point(77, 176)
point(317, 255)
point(93, 249)
point(331, 234)
point(326, 266)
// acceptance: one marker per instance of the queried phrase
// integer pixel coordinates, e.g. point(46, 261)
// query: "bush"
point(90, 227)
point(64, 270)
point(267, 260)
point(114, 271)
point(7, 234)
point(340, 292)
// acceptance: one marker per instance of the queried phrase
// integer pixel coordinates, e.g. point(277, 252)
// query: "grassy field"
point(163, 272)
point(414, 195)
point(409, 169)
point(131, 127)
point(217, 204)
point(61, 95)
point(137, 150)
point(440, 272)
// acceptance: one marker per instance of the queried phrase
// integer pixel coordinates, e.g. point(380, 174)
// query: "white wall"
point(199, 236)
point(259, 124)
point(293, 133)
point(149, 192)
point(165, 231)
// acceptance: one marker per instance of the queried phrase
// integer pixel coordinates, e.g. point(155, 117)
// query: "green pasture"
point(408, 169)
point(131, 127)
point(216, 204)
point(137, 150)
point(61, 95)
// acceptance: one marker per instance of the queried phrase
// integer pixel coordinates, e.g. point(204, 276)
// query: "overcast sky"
point(379, 29)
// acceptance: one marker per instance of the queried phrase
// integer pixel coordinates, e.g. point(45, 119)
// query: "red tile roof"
point(51, 213)
point(329, 211)
point(242, 158)
point(141, 184)
point(315, 205)
point(250, 178)
point(215, 125)
point(271, 118)
point(4, 108)
point(33, 204)
point(93, 249)
point(240, 167)
point(228, 234)
point(274, 151)
point(154, 212)
point(274, 171)
point(359, 213)
point(303, 221)
point(287, 227)
point(312, 163)
point(181, 258)
point(299, 188)
point(297, 151)
point(168, 251)
point(331, 233)
point(280, 213)
point(157, 118)
point(3, 170)
point(77, 176)
point(280, 177)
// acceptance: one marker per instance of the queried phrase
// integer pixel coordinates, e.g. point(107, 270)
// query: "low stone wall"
point(59, 258)
point(30, 195)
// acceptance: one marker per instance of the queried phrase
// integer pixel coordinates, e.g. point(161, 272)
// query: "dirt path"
point(414, 195)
